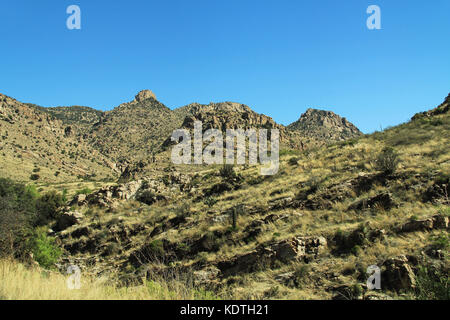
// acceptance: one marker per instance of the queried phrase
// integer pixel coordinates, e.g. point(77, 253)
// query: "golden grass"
point(18, 282)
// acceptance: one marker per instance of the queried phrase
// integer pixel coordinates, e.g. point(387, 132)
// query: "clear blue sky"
point(279, 57)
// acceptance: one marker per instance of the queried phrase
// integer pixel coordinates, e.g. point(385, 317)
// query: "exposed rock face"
point(397, 274)
point(441, 109)
point(326, 125)
point(231, 115)
point(383, 200)
point(68, 219)
point(435, 222)
point(297, 248)
point(144, 95)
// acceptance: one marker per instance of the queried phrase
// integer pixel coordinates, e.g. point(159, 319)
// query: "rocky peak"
point(144, 95)
point(325, 125)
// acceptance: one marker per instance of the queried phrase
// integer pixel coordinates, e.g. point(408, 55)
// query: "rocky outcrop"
point(144, 95)
point(441, 109)
point(67, 219)
point(397, 274)
point(324, 125)
point(435, 222)
point(383, 201)
point(295, 249)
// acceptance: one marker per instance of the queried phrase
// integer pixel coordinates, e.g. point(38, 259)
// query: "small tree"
point(387, 161)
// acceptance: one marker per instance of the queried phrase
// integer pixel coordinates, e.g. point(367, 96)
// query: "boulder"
point(68, 219)
point(418, 225)
point(435, 222)
point(397, 274)
point(79, 200)
point(299, 247)
point(440, 221)
point(383, 200)
point(264, 256)
point(205, 276)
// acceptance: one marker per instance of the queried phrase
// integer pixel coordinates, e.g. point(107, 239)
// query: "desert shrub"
point(156, 248)
point(84, 191)
point(227, 171)
point(432, 284)
point(387, 161)
point(293, 161)
point(17, 216)
point(351, 241)
point(44, 249)
point(257, 180)
point(441, 241)
point(34, 177)
point(112, 249)
point(47, 207)
point(202, 294)
point(210, 201)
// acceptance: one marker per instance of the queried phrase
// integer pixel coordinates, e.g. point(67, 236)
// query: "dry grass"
point(18, 282)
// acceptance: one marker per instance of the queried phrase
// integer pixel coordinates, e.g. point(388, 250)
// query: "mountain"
point(325, 126)
point(137, 133)
point(232, 115)
point(134, 130)
point(309, 232)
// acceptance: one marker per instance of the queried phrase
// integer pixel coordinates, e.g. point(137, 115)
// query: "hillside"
point(37, 145)
point(309, 232)
point(136, 134)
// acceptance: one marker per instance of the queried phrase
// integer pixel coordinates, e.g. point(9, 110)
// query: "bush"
point(34, 177)
point(44, 249)
point(156, 248)
point(441, 241)
point(432, 284)
point(387, 161)
point(293, 161)
point(227, 171)
point(17, 215)
point(47, 207)
point(84, 191)
point(210, 201)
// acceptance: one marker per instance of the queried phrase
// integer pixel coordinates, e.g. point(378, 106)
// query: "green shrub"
point(156, 248)
point(84, 191)
point(441, 241)
point(432, 284)
point(47, 207)
point(44, 249)
point(17, 216)
point(210, 201)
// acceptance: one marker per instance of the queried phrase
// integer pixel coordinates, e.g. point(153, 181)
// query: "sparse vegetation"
point(206, 232)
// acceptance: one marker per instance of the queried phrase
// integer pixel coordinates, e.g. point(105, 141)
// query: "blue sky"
point(279, 57)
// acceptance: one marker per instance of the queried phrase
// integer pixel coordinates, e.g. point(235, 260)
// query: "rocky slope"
point(36, 145)
point(134, 130)
point(309, 232)
point(325, 126)
point(135, 133)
